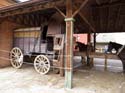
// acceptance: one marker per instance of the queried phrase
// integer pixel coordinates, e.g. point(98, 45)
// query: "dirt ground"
point(85, 80)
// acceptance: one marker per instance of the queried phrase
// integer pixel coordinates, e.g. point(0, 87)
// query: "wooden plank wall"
point(6, 42)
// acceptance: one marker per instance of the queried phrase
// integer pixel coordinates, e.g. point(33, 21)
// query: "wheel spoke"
point(45, 69)
point(12, 56)
point(42, 59)
point(14, 62)
point(41, 69)
point(38, 59)
point(18, 63)
point(46, 66)
point(15, 51)
point(37, 64)
point(38, 67)
point(46, 62)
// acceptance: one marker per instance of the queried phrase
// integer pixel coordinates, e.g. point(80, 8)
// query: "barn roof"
point(103, 16)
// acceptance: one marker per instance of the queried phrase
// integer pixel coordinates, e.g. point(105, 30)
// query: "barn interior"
point(21, 25)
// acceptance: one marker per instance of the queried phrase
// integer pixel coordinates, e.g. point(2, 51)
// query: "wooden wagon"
point(42, 61)
point(41, 46)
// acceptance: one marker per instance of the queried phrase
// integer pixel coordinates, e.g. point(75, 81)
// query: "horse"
point(81, 46)
point(113, 45)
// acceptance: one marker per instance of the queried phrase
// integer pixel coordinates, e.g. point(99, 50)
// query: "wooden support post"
point(94, 42)
point(69, 53)
point(62, 63)
point(88, 49)
point(105, 62)
point(69, 45)
point(89, 38)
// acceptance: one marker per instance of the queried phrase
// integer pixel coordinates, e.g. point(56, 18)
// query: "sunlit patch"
point(23, 0)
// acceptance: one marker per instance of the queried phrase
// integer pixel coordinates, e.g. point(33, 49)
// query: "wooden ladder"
point(59, 51)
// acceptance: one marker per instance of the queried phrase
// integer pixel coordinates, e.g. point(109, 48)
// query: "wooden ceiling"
point(105, 16)
point(34, 19)
point(30, 14)
point(109, 16)
point(100, 16)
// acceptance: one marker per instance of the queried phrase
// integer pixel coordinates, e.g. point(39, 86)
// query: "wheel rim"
point(42, 64)
point(16, 57)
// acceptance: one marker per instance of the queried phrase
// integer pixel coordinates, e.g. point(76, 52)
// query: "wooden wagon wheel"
point(16, 57)
point(42, 64)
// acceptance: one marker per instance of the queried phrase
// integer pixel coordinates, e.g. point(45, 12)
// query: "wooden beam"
point(88, 38)
point(94, 37)
point(104, 16)
point(117, 18)
point(109, 4)
point(33, 19)
point(20, 19)
point(100, 19)
point(95, 18)
point(24, 19)
point(98, 2)
point(69, 44)
point(86, 21)
point(28, 8)
point(38, 20)
point(14, 20)
point(30, 21)
point(77, 11)
point(110, 1)
point(60, 12)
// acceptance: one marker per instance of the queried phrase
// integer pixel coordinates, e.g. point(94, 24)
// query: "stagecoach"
point(52, 45)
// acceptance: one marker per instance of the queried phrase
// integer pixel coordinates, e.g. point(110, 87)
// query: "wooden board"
point(97, 55)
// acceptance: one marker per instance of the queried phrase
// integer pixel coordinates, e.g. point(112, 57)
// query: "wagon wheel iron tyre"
point(16, 57)
point(42, 64)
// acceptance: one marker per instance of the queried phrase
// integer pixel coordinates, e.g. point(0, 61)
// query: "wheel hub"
point(41, 63)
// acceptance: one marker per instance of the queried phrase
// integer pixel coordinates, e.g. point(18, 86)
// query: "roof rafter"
point(28, 8)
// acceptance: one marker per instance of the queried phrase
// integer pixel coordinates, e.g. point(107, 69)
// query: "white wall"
point(115, 37)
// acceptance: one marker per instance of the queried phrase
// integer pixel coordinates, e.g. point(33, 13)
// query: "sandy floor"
point(95, 80)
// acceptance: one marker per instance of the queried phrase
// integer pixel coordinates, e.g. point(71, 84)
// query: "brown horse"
point(81, 46)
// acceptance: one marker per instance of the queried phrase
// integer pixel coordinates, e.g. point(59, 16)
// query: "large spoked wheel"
point(16, 57)
point(42, 64)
